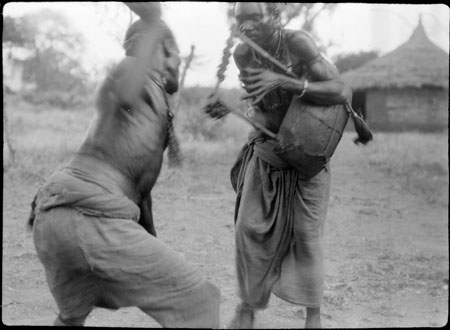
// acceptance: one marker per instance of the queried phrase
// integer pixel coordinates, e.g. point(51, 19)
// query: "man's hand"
point(147, 11)
point(259, 82)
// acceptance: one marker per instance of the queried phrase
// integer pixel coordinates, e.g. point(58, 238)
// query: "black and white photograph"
point(225, 165)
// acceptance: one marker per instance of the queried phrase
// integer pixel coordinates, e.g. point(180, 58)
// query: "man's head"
point(257, 20)
point(168, 60)
point(171, 60)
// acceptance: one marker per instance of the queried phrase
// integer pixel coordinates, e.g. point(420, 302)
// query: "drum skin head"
point(309, 135)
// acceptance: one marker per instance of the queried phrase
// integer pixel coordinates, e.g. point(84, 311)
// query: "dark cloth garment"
point(95, 254)
point(279, 222)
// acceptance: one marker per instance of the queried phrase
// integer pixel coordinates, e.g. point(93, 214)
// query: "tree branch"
point(186, 67)
point(12, 150)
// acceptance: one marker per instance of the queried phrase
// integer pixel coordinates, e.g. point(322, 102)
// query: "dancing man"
point(92, 223)
point(279, 217)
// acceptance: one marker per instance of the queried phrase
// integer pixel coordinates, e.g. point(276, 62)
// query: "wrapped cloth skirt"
point(95, 254)
point(279, 221)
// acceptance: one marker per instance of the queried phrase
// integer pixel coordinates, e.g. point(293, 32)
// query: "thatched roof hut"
point(415, 75)
point(418, 62)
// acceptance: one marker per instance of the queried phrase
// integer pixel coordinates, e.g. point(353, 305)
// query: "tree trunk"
point(11, 149)
point(183, 77)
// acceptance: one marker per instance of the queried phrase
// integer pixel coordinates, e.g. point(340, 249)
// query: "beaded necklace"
point(277, 98)
point(173, 146)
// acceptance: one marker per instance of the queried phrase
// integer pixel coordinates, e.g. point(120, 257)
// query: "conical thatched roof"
point(416, 63)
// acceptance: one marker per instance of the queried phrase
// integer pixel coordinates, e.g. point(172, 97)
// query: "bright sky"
point(352, 27)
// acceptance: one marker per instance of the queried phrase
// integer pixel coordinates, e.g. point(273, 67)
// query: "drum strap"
point(264, 150)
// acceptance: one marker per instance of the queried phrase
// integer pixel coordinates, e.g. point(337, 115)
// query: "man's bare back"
point(130, 137)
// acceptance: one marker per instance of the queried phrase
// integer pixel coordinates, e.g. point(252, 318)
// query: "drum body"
point(309, 135)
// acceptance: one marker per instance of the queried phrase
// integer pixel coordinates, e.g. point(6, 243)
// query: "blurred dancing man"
point(92, 223)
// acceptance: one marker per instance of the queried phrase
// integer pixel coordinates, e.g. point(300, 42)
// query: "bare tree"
point(187, 64)
point(306, 12)
point(7, 138)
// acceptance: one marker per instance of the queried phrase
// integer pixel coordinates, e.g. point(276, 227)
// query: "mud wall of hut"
point(407, 109)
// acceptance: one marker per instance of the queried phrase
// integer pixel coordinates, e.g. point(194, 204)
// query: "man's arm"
point(147, 11)
point(241, 56)
point(127, 80)
point(146, 216)
point(324, 85)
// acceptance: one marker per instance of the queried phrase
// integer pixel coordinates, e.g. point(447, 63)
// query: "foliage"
point(114, 16)
point(306, 12)
point(54, 66)
point(346, 62)
point(16, 32)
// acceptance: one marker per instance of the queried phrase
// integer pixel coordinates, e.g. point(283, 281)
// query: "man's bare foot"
point(244, 318)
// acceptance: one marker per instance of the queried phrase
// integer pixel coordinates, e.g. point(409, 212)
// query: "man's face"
point(253, 20)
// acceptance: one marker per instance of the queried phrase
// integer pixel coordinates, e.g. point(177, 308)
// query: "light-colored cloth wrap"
point(96, 254)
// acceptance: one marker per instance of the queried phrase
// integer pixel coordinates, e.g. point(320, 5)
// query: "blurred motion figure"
point(92, 220)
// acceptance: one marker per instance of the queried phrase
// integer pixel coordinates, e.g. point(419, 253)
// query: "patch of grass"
point(411, 152)
point(392, 272)
point(44, 138)
point(192, 123)
point(211, 152)
point(418, 160)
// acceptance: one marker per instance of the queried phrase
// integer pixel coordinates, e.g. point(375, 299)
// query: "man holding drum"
point(279, 216)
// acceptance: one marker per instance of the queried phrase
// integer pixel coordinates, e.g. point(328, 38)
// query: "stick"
point(255, 124)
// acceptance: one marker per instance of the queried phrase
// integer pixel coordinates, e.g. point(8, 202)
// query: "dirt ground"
point(386, 247)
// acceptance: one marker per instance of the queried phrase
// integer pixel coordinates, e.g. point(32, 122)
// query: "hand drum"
point(309, 135)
